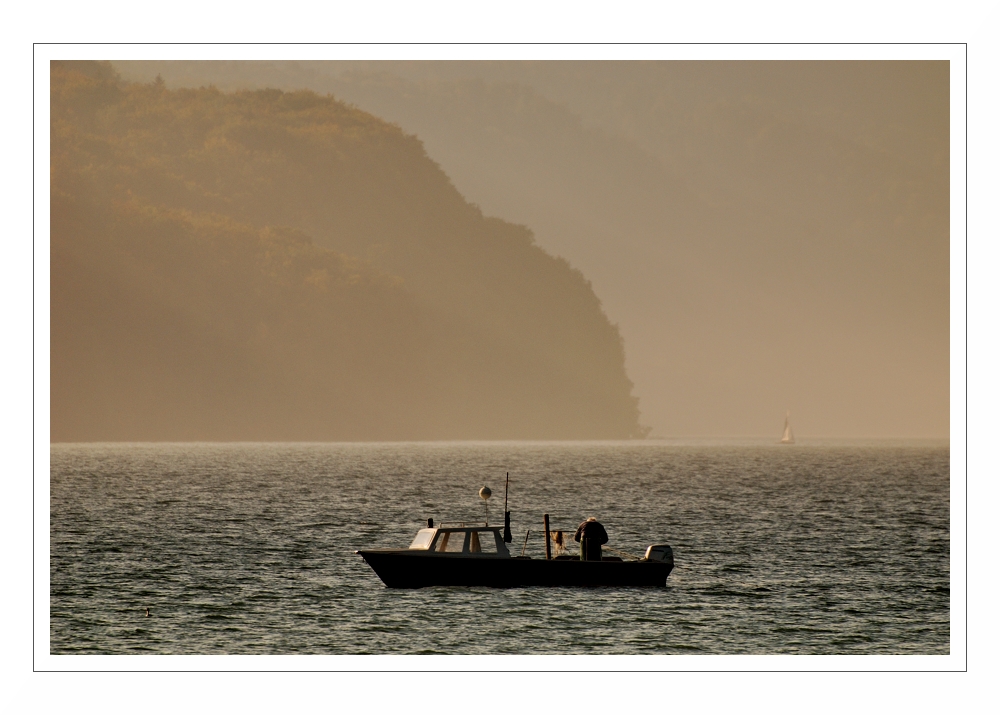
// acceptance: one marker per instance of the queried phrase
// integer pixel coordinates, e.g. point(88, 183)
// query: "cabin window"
point(423, 539)
point(452, 542)
point(470, 542)
point(499, 545)
point(485, 542)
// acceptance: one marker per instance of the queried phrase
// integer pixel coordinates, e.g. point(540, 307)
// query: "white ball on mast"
point(484, 494)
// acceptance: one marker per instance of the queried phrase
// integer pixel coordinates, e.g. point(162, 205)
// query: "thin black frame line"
point(490, 670)
point(33, 382)
point(514, 44)
point(966, 358)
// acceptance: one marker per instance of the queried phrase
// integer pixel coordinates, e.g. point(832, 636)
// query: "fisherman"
point(591, 535)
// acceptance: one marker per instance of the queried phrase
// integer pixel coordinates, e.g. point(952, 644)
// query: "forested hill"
point(280, 266)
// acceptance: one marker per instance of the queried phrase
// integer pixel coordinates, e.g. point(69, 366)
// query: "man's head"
point(591, 518)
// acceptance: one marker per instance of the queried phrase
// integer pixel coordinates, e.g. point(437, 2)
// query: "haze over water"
point(765, 235)
point(825, 547)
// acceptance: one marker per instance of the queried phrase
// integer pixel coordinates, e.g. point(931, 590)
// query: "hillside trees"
point(268, 265)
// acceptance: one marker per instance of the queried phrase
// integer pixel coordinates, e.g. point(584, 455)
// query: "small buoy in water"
point(147, 613)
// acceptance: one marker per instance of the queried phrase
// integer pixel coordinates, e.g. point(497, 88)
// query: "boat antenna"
point(507, 538)
point(484, 494)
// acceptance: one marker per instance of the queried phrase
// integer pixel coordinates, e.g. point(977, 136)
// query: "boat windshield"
point(451, 541)
point(423, 539)
point(471, 541)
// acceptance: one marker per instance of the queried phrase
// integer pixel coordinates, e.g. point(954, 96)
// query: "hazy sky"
point(767, 235)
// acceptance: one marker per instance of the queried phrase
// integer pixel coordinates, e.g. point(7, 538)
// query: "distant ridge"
point(279, 266)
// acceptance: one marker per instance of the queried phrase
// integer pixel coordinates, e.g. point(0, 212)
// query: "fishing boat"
point(478, 556)
point(787, 437)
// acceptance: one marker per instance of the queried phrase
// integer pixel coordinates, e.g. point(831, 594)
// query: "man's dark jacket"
point(591, 531)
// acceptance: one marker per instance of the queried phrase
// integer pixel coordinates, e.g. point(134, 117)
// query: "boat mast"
point(507, 538)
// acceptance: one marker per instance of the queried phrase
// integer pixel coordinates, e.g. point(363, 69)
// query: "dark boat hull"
point(402, 569)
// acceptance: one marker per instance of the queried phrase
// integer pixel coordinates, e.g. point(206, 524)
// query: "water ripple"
point(244, 548)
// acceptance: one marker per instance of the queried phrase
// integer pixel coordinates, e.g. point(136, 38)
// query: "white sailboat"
point(787, 437)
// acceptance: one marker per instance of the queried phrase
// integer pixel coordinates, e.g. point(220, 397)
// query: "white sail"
point(787, 437)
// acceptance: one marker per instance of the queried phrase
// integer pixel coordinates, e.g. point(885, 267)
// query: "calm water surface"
point(249, 548)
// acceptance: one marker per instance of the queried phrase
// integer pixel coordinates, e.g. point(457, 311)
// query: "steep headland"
point(268, 265)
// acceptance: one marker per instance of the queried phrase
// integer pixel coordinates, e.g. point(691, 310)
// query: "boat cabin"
point(482, 541)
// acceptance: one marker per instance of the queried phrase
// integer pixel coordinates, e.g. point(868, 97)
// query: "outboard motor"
point(660, 552)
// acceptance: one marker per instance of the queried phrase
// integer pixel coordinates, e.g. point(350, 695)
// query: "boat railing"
point(562, 540)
